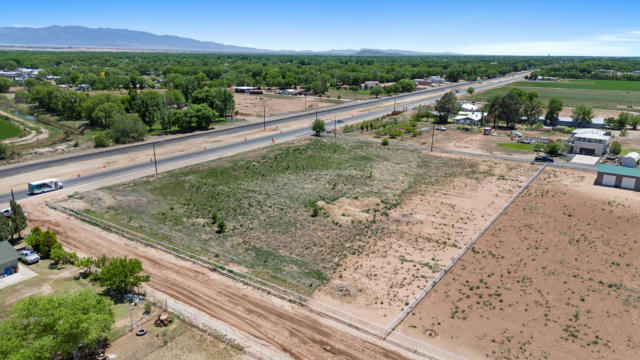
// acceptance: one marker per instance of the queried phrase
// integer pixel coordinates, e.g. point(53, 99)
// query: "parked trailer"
point(38, 187)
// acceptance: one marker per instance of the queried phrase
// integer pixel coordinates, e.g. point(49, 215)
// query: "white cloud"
point(623, 44)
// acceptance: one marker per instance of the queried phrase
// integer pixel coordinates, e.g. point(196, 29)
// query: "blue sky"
point(515, 27)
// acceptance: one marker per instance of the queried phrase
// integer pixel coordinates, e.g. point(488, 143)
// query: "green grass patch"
point(618, 85)
point(599, 99)
point(516, 146)
point(7, 129)
point(264, 199)
point(625, 151)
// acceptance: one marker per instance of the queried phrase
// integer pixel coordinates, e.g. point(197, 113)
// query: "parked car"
point(29, 256)
point(544, 158)
point(441, 128)
point(7, 212)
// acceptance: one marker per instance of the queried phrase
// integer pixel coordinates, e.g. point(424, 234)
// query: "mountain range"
point(69, 37)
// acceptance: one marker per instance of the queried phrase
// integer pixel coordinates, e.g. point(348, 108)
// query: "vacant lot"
point(267, 201)
point(254, 106)
point(571, 96)
point(556, 277)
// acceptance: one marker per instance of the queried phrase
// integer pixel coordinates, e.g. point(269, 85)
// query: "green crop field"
point(599, 99)
point(266, 201)
point(618, 85)
point(7, 129)
point(516, 146)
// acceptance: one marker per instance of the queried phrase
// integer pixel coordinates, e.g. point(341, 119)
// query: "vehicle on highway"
point(441, 128)
point(29, 256)
point(8, 212)
point(38, 187)
point(544, 158)
point(340, 121)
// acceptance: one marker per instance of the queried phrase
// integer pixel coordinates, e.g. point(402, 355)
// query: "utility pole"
point(305, 101)
point(316, 113)
point(433, 132)
point(155, 161)
point(335, 129)
point(264, 116)
point(394, 103)
point(13, 198)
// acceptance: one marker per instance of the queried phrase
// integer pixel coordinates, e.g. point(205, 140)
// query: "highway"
point(36, 165)
point(167, 163)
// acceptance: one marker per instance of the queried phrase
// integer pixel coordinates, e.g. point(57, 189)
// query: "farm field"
point(267, 201)
point(556, 277)
point(176, 341)
point(618, 85)
point(7, 129)
point(571, 97)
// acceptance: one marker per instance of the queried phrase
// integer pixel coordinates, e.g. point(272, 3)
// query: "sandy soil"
point(286, 327)
point(557, 277)
point(566, 111)
point(417, 239)
point(32, 136)
point(252, 106)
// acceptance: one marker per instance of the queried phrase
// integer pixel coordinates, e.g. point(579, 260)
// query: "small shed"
point(630, 160)
point(618, 176)
point(8, 259)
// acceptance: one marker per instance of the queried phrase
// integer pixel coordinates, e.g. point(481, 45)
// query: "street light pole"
point(155, 161)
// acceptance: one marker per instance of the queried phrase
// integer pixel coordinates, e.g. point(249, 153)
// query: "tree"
point(615, 148)
point(532, 109)
point(510, 108)
point(5, 84)
point(622, 121)
point(105, 113)
point(470, 90)
point(553, 111)
point(102, 139)
point(493, 108)
point(34, 238)
point(201, 115)
point(126, 129)
point(148, 106)
point(552, 148)
point(318, 126)
point(447, 105)
point(376, 91)
point(45, 327)
point(634, 122)
point(17, 219)
point(219, 100)
point(47, 243)
point(5, 228)
point(122, 274)
point(61, 256)
point(582, 115)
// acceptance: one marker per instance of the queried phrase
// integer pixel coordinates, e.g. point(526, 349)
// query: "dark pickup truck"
point(544, 158)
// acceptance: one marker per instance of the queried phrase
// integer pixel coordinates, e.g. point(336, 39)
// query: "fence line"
point(399, 340)
point(404, 313)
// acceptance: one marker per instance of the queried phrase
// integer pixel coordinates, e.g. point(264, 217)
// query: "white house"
point(592, 142)
point(470, 107)
point(468, 118)
point(630, 160)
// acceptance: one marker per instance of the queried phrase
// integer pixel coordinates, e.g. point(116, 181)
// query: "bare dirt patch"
point(557, 277)
point(407, 248)
point(253, 106)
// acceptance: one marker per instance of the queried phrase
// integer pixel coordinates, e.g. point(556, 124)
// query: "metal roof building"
point(8, 259)
point(618, 176)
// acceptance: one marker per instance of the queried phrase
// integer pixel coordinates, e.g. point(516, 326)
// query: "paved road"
point(211, 152)
point(23, 168)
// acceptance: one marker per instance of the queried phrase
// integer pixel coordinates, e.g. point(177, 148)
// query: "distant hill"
point(123, 39)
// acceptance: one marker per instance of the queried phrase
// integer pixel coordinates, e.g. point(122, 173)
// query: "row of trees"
point(106, 71)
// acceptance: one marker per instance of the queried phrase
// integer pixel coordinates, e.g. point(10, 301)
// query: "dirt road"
point(33, 136)
point(287, 327)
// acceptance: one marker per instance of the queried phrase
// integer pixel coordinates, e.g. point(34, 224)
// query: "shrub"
point(385, 142)
point(127, 129)
point(552, 148)
point(102, 139)
point(222, 226)
point(615, 148)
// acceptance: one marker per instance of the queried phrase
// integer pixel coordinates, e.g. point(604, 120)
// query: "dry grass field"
point(556, 277)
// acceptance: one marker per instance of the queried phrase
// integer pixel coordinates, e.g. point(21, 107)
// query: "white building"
point(630, 160)
point(468, 118)
point(592, 142)
point(470, 107)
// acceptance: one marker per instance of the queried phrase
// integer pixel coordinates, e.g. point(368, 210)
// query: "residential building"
point(618, 176)
point(369, 84)
point(243, 89)
point(468, 118)
point(469, 107)
point(8, 259)
point(436, 80)
point(597, 123)
point(592, 142)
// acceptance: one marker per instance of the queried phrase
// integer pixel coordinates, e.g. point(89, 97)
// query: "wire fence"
point(380, 332)
point(251, 346)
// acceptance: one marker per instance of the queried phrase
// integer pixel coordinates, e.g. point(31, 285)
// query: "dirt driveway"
point(288, 328)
